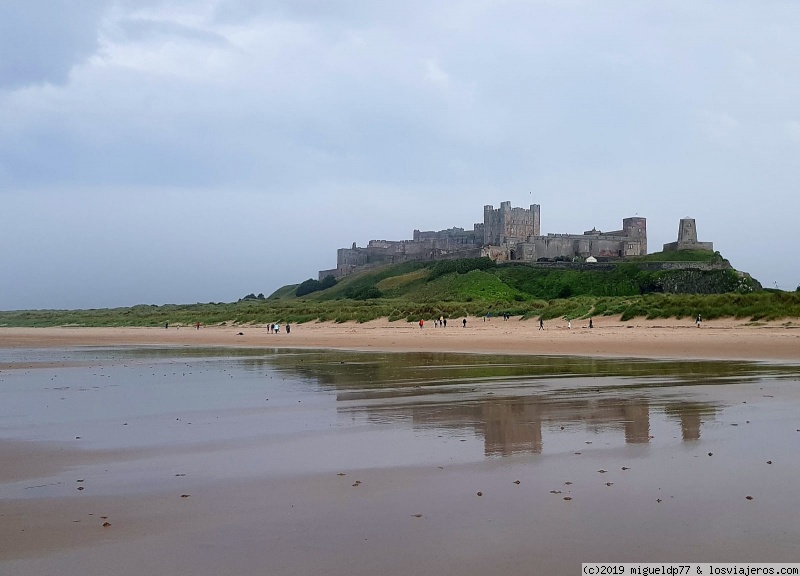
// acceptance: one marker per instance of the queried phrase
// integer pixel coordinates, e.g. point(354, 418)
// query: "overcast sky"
point(169, 151)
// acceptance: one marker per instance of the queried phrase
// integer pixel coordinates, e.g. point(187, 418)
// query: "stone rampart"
point(646, 266)
point(513, 235)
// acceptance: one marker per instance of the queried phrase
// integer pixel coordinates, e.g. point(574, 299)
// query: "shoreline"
point(610, 337)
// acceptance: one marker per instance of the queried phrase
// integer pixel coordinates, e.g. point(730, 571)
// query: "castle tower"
point(687, 231)
point(687, 238)
point(508, 225)
point(636, 229)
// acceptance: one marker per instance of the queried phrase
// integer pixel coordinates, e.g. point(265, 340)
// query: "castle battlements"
point(509, 234)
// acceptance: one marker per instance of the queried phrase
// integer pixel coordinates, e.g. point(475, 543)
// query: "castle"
point(509, 234)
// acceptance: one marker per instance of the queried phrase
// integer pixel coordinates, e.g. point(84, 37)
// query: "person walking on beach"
point(198, 325)
point(288, 328)
point(464, 321)
point(699, 319)
point(541, 324)
point(590, 324)
point(166, 326)
point(569, 324)
point(421, 323)
point(444, 322)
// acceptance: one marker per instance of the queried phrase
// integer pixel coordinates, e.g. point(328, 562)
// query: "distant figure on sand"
point(590, 323)
point(198, 325)
point(699, 319)
point(464, 321)
point(288, 328)
point(166, 326)
point(541, 324)
point(421, 322)
point(444, 322)
point(569, 324)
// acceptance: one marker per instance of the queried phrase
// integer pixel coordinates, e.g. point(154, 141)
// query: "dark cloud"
point(41, 41)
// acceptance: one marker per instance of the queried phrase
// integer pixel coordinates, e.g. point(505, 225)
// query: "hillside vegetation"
point(471, 287)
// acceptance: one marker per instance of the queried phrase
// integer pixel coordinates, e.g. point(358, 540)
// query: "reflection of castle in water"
point(526, 398)
point(510, 426)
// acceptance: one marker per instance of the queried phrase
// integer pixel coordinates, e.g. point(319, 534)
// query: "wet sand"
point(238, 460)
point(636, 338)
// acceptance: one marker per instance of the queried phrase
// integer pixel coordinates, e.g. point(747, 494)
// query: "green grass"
point(456, 289)
point(758, 306)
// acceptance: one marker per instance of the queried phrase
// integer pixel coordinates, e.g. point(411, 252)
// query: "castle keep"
point(687, 238)
point(506, 234)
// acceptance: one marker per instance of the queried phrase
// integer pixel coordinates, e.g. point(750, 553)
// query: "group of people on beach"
point(440, 322)
point(276, 328)
point(569, 323)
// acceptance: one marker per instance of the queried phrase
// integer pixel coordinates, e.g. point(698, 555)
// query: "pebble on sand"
point(184, 495)
point(749, 497)
point(480, 493)
point(516, 481)
point(106, 524)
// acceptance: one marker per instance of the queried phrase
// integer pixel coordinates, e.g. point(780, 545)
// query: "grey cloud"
point(352, 11)
point(147, 29)
point(40, 41)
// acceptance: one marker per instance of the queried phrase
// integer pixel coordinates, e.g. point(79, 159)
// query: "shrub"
point(307, 287)
point(362, 293)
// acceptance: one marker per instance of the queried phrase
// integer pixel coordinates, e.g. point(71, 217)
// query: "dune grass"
point(467, 288)
point(766, 305)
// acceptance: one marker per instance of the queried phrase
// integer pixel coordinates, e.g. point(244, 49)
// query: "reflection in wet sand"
point(512, 426)
point(352, 463)
point(508, 400)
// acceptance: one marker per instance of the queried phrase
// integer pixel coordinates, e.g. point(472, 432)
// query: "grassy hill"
point(474, 287)
point(479, 279)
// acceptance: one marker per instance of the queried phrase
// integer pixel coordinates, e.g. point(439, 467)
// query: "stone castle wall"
point(509, 234)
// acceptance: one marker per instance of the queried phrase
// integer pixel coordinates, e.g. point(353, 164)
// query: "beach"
point(637, 338)
point(383, 447)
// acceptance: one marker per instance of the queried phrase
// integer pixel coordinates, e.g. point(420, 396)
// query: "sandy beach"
point(228, 450)
point(610, 337)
